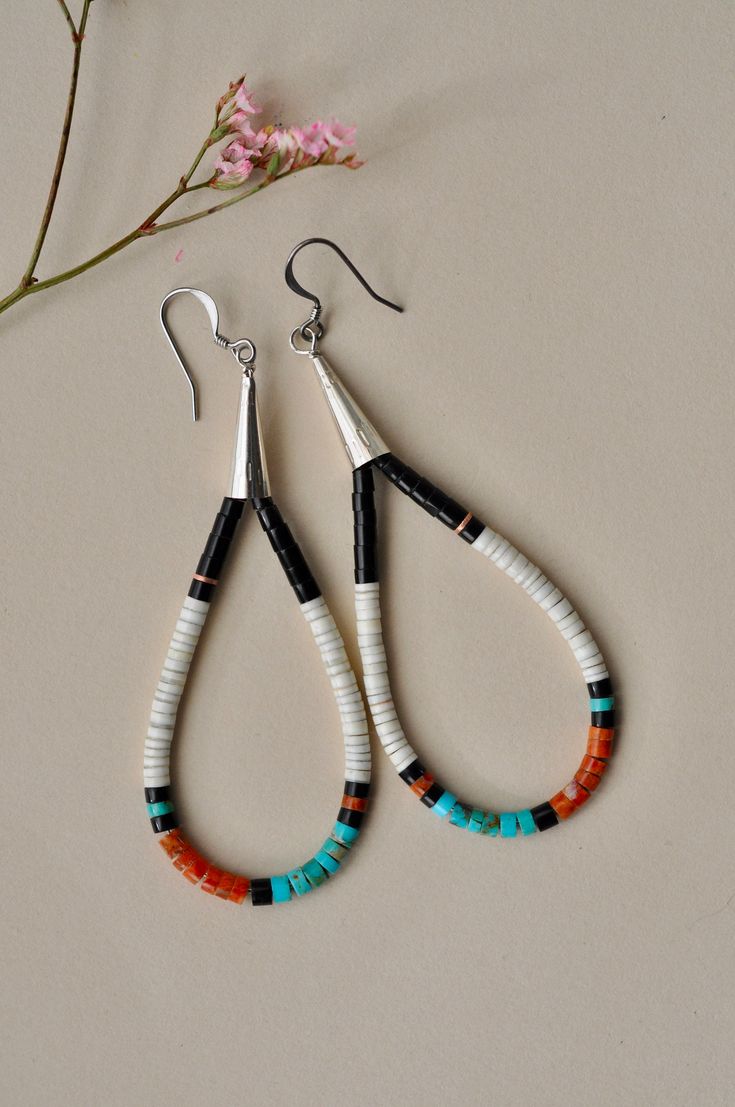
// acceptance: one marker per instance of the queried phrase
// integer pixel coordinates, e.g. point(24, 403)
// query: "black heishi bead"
point(434, 503)
point(412, 772)
point(280, 537)
point(356, 788)
point(544, 816)
point(261, 891)
point(451, 514)
point(225, 525)
point(422, 491)
point(233, 508)
point(158, 795)
point(603, 718)
point(217, 545)
point(210, 566)
point(165, 822)
point(363, 556)
point(201, 591)
point(349, 817)
point(430, 797)
point(600, 689)
point(363, 501)
point(307, 591)
point(473, 530)
point(368, 572)
point(365, 534)
point(362, 479)
point(364, 518)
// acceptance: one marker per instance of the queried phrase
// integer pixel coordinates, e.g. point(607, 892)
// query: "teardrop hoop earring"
point(249, 482)
point(367, 451)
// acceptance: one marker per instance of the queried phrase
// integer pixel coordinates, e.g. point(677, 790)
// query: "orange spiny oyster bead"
point(422, 785)
point(196, 868)
point(239, 890)
point(589, 772)
point(575, 793)
point(562, 805)
point(354, 803)
point(588, 780)
point(225, 885)
point(185, 858)
point(212, 878)
point(173, 843)
point(600, 741)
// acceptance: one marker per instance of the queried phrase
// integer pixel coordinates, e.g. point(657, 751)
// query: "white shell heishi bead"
point(348, 697)
point(507, 558)
point(403, 759)
point(358, 776)
point(518, 567)
point(483, 540)
point(560, 610)
point(551, 600)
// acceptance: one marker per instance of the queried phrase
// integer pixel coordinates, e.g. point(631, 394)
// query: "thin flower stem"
point(77, 38)
point(69, 20)
point(146, 229)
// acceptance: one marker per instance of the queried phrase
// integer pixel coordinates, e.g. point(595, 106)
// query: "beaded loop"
point(156, 770)
point(499, 550)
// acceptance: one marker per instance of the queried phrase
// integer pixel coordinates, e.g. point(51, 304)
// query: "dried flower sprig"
point(266, 155)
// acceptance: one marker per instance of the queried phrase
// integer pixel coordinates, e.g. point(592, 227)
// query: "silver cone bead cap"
point(249, 479)
point(362, 441)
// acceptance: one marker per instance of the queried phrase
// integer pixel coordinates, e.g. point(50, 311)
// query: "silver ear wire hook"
point(312, 330)
point(242, 349)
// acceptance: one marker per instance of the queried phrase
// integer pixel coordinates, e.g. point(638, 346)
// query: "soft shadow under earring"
point(366, 451)
point(249, 482)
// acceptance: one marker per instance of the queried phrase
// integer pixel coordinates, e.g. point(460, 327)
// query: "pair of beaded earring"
point(366, 451)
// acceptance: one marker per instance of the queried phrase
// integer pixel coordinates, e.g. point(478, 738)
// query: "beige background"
point(549, 192)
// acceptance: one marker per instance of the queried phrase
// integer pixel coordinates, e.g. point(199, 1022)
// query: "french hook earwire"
point(243, 349)
point(311, 331)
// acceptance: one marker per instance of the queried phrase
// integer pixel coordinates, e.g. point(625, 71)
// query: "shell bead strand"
point(375, 665)
point(156, 771)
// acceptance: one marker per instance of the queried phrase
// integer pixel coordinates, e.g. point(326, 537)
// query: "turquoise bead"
point(459, 816)
point(525, 819)
point(337, 850)
point(344, 833)
point(490, 825)
point(508, 824)
point(605, 704)
point(161, 808)
point(299, 882)
point(326, 862)
point(475, 823)
point(444, 804)
point(281, 889)
point(314, 873)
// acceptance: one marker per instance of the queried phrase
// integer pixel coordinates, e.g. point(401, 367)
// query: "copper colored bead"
point(562, 805)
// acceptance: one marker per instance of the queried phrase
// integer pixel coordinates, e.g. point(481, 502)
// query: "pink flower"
point(245, 102)
point(233, 166)
point(337, 134)
point(312, 140)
